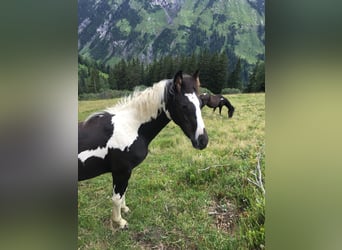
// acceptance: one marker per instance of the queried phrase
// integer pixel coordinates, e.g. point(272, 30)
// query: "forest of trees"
point(94, 77)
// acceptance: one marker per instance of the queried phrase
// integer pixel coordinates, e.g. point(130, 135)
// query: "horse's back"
point(213, 101)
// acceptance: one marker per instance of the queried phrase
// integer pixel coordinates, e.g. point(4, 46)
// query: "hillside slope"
point(114, 29)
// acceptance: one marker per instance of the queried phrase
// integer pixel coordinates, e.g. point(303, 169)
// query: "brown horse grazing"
point(214, 101)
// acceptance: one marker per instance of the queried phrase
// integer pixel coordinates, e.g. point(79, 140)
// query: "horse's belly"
point(92, 167)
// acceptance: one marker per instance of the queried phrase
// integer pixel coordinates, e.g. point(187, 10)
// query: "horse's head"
point(183, 106)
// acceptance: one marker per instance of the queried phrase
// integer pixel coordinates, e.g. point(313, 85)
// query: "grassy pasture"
point(182, 198)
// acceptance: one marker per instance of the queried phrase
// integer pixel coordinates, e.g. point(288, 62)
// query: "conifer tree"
point(223, 59)
point(234, 80)
point(260, 77)
point(112, 79)
point(257, 79)
point(94, 80)
point(204, 67)
point(193, 64)
point(121, 75)
point(133, 74)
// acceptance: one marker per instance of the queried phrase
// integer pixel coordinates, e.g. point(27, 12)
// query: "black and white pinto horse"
point(214, 101)
point(116, 140)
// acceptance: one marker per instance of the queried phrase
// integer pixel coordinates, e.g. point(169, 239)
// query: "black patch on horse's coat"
point(150, 129)
point(92, 167)
point(123, 163)
point(95, 132)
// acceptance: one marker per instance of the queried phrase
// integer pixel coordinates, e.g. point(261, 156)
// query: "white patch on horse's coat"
point(99, 114)
point(116, 197)
point(221, 99)
point(167, 113)
point(124, 207)
point(200, 124)
point(99, 152)
point(116, 213)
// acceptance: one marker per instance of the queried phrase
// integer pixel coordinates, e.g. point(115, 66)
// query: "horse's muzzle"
point(201, 142)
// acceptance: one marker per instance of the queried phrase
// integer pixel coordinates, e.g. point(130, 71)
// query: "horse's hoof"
point(124, 228)
point(123, 224)
point(119, 225)
point(125, 209)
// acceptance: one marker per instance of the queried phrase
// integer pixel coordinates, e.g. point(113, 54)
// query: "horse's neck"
point(148, 110)
point(227, 103)
point(149, 130)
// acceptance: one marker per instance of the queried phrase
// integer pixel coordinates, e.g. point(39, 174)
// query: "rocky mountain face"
point(110, 30)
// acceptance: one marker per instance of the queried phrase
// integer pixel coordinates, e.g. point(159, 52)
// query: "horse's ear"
point(178, 79)
point(196, 76)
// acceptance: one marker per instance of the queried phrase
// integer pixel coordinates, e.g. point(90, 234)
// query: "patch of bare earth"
point(225, 215)
point(149, 239)
point(157, 239)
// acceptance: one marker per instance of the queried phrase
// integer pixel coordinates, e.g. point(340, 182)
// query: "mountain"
point(110, 30)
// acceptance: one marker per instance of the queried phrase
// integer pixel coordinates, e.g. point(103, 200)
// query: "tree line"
point(95, 77)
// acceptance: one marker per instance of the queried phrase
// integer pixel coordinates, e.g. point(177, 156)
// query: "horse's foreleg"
point(119, 189)
point(116, 213)
point(124, 208)
point(220, 109)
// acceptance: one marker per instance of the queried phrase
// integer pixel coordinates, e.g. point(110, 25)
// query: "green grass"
point(182, 198)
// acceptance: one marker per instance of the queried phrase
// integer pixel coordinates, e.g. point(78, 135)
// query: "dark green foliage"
point(163, 41)
point(197, 37)
point(112, 79)
point(234, 80)
point(218, 72)
point(228, 91)
point(134, 75)
point(261, 33)
point(258, 5)
point(120, 74)
point(95, 77)
point(104, 94)
point(126, 12)
point(205, 90)
point(257, 79)
point(220, 18)
point(91, 76)
point(217, 41)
